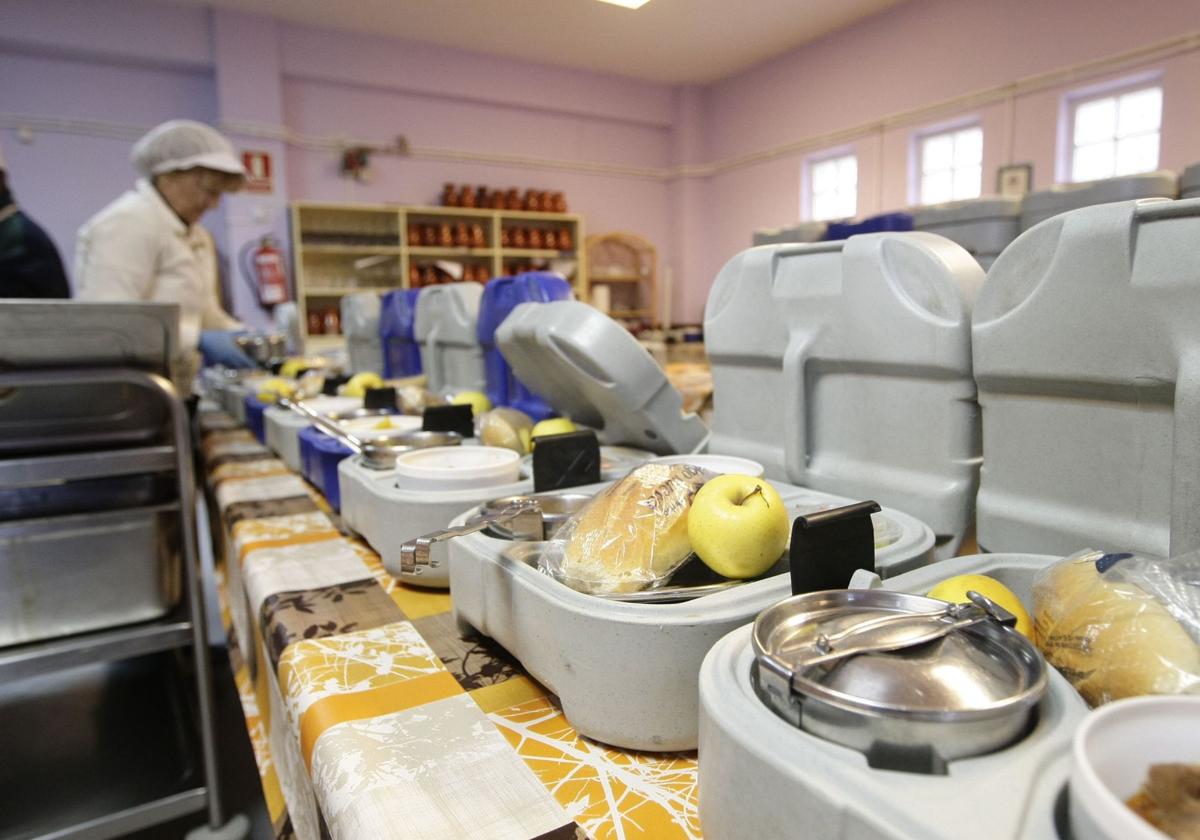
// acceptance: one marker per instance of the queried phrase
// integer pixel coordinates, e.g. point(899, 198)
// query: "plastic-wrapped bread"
point(633, 535)
point(1097, 623)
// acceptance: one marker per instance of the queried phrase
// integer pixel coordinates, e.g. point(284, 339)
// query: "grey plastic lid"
point(445, 327)
point(931, 217)
point(1063, 197)
point(1189, 182)
point(591, 369)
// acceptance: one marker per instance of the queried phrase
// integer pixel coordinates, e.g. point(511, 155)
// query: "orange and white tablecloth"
point(372, 717)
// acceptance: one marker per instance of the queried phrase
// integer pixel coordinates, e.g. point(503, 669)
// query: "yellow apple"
point(738, 525)
point(479, 402)
point(552, 426)
point(955, 591)
point(272, 389)
point(360, 382)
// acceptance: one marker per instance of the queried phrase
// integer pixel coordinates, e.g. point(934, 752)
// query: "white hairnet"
point(183, 144)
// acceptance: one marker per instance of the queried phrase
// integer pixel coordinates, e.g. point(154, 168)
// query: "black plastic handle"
point(829, 546)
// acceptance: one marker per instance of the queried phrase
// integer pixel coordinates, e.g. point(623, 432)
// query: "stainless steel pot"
point(263, 348)
point(378, 451)
point(911, 682)
point(522, 518)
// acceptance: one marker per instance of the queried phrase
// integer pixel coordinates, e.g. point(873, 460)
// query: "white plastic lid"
point(721, 464)
point(457, 467)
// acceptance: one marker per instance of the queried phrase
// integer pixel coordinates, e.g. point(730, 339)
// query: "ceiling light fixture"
point(628, 4)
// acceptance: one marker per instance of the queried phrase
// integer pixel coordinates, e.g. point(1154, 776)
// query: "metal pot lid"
point(878, 652)
point(380, 451)
point(556, 509)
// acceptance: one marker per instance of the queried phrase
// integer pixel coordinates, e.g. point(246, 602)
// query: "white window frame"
point(1080, 96)
point(917, 143)
point(806, 194)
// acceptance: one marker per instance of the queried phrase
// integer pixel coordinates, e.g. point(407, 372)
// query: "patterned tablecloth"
point(371, 717)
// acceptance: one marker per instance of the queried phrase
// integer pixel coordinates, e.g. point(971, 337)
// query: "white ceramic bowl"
point(457, 468)
point(1111, 756)
point(716, 463)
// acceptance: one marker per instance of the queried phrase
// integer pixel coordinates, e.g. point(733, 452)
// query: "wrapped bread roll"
point(1110, 639)
point(633, 535)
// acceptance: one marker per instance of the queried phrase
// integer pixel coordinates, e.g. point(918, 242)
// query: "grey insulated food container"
point(982, 226)
point(1189, 182)
point(1041, 205)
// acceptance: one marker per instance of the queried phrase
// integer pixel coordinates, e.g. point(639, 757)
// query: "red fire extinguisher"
point(265, 270)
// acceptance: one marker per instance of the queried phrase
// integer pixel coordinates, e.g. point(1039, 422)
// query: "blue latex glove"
point(218, 348)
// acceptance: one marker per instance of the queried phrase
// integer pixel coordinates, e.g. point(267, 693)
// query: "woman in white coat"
point(148, 244)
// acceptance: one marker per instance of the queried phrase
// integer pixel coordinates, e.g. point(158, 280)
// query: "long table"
point(371, 716)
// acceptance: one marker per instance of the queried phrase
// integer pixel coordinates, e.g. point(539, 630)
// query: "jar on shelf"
point(535, 238)
point(565, 240)
point(478, 237)
point(332, 322)
point(429, 235)
point(429, 275)
point(505, 237)
point(466, 196)
point(414, 276)
point(414, 235)
point(550, 239)
point(558, 202)
point(496, 200)
point(512, 199)
point(519, 238)
point(316, 325)
point(482, 197)
point(449, 195)
point(445, 235)
point(533, 200)
point(462, 235)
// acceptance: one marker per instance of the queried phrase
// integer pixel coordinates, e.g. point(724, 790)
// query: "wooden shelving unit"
point(340, 249)
point(625, 265)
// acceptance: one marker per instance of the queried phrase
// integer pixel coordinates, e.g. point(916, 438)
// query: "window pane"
point(848, 171)
point(967, 182)
point(937, 187)
point(825, 207)
point(824, 176)
point(846, 204)
point(937, 152)
point(1095, 161)
point(1095, 121)
point(1137, 154)
point(1139, 112)
point(968, 147)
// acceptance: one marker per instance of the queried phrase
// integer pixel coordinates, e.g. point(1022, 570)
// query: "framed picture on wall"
point(1014, 179)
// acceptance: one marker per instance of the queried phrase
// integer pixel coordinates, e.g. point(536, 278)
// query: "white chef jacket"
point(138, 249)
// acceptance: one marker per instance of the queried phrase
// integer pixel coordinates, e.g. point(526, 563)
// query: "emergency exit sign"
point(258, 171)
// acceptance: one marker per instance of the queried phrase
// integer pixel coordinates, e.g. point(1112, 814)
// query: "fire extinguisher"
point(264, 271)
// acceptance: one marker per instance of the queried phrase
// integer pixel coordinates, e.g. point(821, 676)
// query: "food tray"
point(762, 777)
point(590, 650)
point(70, 574)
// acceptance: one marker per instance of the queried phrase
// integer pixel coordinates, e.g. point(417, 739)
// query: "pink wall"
point(135, 62)
point(913, 55)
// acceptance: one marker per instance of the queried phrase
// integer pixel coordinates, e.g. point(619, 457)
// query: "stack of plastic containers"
point(883, 223)
point(445, 328)
point(983, 226)
point(1089, 380)
point(799, 232)
point(500, 297)
point(360, 326)
point(846, 368)
point(397, 317)
point(1041, 205)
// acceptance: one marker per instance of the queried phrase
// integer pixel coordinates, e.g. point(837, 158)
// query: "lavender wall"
point(132, 63)
point(914, 55)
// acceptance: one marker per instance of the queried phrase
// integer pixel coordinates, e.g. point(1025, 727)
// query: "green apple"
point(479, 402)
point(738, 525)
point(553, 426)
point(360, 382)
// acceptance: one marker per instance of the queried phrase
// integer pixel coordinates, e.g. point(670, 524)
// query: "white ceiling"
point(670, 41)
